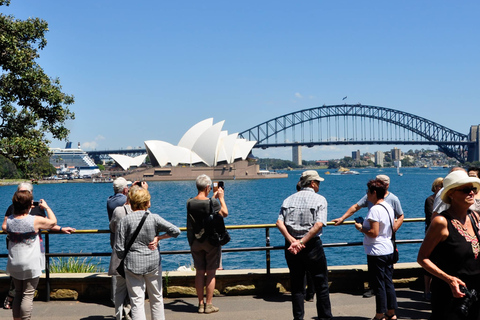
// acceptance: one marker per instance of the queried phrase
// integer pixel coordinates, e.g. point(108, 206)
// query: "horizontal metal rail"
point(267, 248)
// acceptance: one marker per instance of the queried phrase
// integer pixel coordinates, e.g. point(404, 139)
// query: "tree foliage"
point(8, 170)
point(40, 167)
point(31, 103)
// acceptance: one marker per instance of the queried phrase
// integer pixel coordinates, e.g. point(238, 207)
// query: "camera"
point(359, 220)
point(36, 203)
point(467, 301)
point(138, 183)
point(217, 185)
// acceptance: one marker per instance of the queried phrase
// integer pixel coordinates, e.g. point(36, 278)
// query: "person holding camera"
point(206, 257)
point(36, 210)
point(25, 258)
point(450, 251)
point(377, 242)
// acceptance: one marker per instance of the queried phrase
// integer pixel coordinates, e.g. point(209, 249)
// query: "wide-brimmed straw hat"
point(456, 179)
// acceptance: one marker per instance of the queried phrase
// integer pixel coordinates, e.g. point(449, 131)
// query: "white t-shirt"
point(382, 244)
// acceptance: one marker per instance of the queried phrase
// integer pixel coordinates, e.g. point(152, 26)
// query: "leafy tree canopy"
point(31, 103)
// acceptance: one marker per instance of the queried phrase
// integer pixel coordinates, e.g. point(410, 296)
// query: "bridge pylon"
point(297, 154)
point(474, 150)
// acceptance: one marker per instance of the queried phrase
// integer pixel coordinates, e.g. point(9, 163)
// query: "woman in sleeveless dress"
point(450, 251)
point(25, 259)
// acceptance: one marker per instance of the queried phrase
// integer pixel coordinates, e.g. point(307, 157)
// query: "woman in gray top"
point(143, 268)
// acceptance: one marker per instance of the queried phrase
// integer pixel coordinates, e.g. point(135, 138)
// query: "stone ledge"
point(94, 286)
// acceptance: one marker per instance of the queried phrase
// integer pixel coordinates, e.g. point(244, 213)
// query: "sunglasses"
point(467, 190)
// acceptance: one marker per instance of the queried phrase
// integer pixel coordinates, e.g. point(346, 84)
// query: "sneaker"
point(368, 293)
point(210, 308)
point(201, 308)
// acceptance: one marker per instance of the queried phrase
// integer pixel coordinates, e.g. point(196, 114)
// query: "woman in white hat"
point(450, 251)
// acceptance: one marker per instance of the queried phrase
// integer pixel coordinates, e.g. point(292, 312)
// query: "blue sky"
point(142, 70)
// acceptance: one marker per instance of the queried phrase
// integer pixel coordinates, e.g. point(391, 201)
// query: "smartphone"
point(359, 220)
point(215, 186)
point(35, 203)
point(221, 185)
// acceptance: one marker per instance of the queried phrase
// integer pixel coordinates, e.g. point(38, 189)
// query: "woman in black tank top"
point(450, 251)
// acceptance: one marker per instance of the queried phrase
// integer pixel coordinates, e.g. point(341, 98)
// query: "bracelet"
point(301, 242)
point(60, 228)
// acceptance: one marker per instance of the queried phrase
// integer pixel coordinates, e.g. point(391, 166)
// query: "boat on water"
point(398, 164)
point(344, 171)
point(73, 161)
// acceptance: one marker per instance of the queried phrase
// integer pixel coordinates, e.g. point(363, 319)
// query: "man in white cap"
point(301, 220)
point(390, 198)
point(120, 189)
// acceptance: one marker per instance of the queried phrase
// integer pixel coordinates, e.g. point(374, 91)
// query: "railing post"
point(47, 266)
point(267, 243)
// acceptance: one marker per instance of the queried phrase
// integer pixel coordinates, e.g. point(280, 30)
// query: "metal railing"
point(267, 248)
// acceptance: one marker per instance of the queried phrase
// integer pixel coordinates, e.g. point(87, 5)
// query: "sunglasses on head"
point(467, 190)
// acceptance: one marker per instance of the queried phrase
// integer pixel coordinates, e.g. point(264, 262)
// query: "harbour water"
point(83, 206)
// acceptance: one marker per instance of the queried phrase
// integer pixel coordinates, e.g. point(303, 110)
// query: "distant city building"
point(396, 154)
point(356, 155)
point(297, 155)
point(379, 158)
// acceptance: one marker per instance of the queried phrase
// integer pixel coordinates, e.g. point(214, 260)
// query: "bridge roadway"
point(345, 306)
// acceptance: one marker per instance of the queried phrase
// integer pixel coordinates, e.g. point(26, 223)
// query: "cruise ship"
point(73, 161)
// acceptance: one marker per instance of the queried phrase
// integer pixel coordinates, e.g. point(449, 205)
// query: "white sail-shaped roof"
point(126, 162)
point(205, 143)
point(190, 137)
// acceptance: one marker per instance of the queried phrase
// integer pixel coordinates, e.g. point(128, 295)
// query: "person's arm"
point(371, 232)
point(45, 223)
point(66, 230)
point(436, 233)
point(398, 222)
point(120, 240)
point(220, 195)
point(4, 224)
point(348, 214)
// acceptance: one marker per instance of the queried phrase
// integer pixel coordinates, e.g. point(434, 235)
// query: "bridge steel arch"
point(360, 125)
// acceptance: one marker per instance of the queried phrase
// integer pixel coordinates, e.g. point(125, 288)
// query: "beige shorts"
point(205, 256)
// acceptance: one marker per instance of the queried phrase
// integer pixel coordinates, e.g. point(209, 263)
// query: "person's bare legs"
point(200, 285)
point(210, 284)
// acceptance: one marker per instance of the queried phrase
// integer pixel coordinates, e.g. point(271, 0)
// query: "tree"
point(40, 167)
point(8, 169)
point(31, 103)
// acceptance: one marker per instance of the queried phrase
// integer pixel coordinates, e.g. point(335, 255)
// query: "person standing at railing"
point(301, 220)
point(36, 210)
point(390, 198)
point(119, 198)
point(121, 299)
point(377, 229)
point(143, 269)
point(25, 258)
point(206, 257)
point(450, 251)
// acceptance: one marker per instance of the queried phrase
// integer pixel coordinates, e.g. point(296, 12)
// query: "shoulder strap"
point(391, 225)
point(137, 231)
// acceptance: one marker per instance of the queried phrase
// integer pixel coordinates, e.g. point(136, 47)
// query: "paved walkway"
point(275, 307)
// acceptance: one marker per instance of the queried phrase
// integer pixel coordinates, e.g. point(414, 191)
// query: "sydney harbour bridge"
point(354, 125)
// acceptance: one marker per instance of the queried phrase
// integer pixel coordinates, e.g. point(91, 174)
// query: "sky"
point(151, 69)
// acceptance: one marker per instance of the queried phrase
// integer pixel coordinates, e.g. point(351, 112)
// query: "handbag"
point(121, 267)
point(217, 234)
point(395, 249)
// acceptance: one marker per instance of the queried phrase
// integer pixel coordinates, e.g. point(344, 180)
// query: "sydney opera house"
point(204, 148)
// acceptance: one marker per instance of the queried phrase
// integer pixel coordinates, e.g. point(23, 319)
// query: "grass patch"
point(75, 265)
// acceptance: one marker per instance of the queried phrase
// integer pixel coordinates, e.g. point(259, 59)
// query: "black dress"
point(458, 256)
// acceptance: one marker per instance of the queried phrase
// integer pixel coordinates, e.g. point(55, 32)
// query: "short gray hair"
point(25, 186)
point(202, 182)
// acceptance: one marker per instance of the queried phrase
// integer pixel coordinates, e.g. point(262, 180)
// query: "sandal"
point(7, 304)
point(391, 317)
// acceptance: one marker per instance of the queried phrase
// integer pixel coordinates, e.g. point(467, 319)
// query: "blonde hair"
point(139, 199)
point(437, 182)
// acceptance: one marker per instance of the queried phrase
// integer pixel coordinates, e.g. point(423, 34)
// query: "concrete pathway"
point(275, 307)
